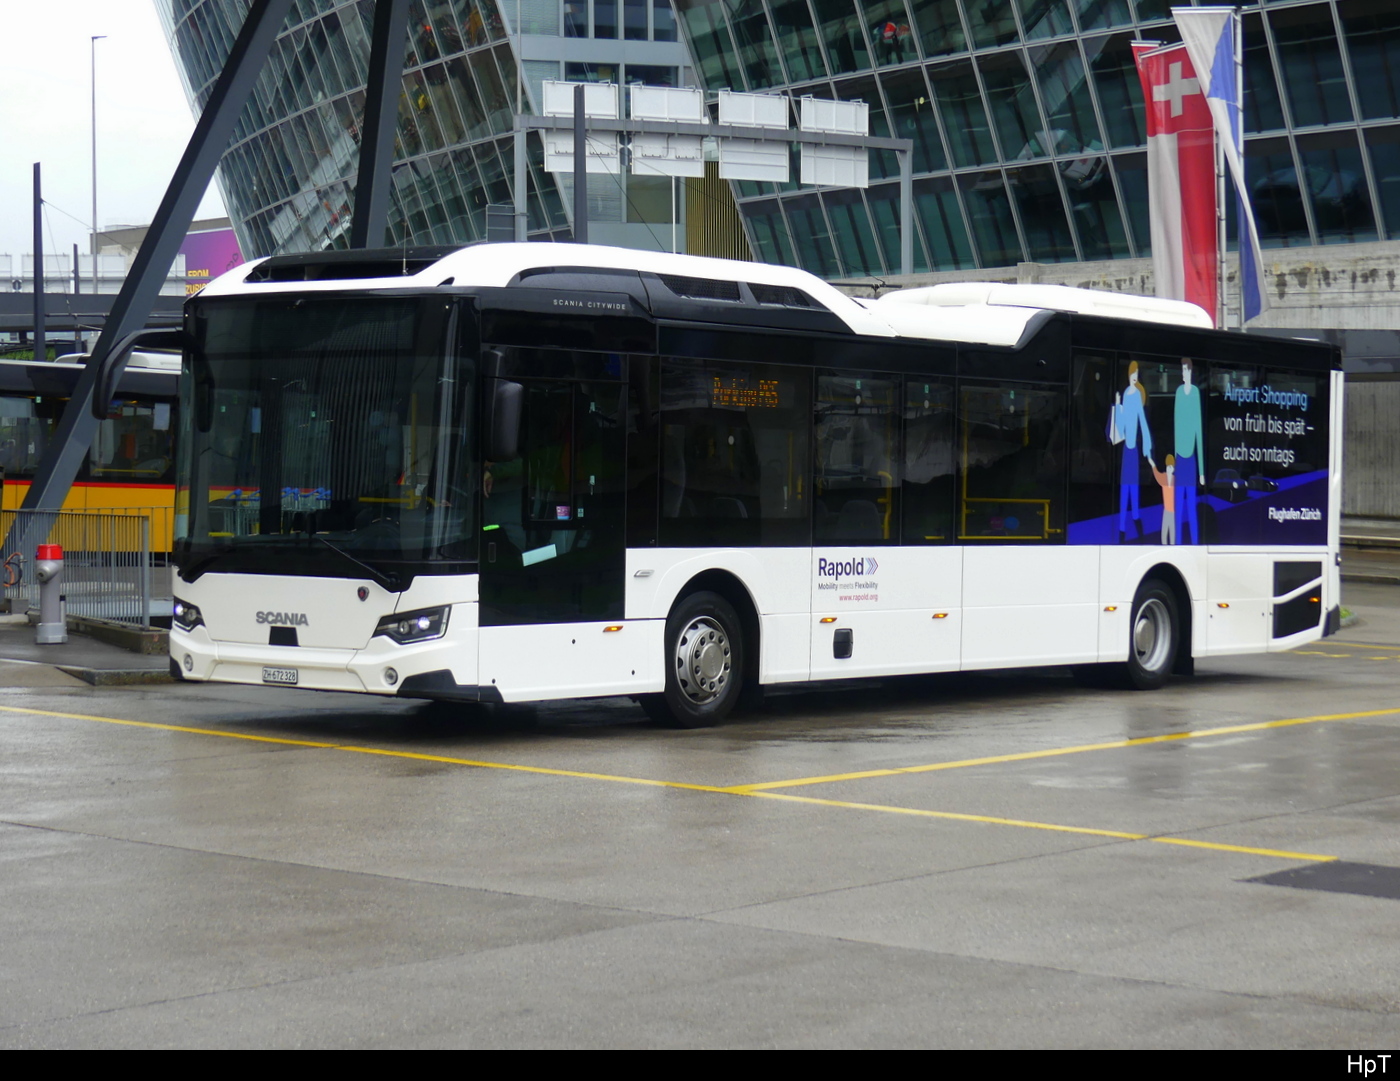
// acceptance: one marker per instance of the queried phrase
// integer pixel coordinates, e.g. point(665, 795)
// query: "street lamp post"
point(93, 50)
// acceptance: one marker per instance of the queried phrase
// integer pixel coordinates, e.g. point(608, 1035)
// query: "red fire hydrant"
point(48, 569)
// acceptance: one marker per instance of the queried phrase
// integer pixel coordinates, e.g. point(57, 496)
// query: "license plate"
point(280, 675)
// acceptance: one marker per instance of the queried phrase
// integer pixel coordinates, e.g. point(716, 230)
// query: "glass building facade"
point(288, 175)
point(1027, 123)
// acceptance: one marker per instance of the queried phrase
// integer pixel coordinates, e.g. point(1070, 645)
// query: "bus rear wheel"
point(1154, 637)
point(704, 664)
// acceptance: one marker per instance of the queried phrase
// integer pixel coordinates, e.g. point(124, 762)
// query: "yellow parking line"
point(617, 778)
point(751, 791)
point(356, 749)
point(1053, 752)
point(952, 816)
point(1216, 846)
point(1051, 826)
point(1359, 645)
point(167, 727)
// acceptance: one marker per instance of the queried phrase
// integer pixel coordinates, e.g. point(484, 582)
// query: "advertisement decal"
point(1212, 454)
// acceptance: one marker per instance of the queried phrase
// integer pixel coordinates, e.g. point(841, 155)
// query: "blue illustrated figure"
point(1190, 455)
point(1127, 424)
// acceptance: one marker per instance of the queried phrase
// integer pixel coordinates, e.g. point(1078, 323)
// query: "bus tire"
point(1154, 636)
point(704, 664)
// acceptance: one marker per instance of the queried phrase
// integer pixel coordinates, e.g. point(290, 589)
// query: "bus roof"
point(1059, 298)
point(983, 313)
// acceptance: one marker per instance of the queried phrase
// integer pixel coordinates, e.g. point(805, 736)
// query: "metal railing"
point(107, 564)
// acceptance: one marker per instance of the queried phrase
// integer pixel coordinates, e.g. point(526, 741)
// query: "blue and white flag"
point(1212, 37)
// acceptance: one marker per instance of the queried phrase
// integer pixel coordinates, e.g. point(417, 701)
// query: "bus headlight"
point(416, 626)
point(186, 615)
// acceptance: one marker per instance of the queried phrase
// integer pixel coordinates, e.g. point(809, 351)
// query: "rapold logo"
point(284, 619)
point(846, 568)
point(849, 579)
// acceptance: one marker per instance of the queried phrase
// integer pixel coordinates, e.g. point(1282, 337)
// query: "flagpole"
point(1203, 30)
point(1222, 318)
point(1242, 196)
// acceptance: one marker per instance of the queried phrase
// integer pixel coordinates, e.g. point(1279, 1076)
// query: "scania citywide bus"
point(522, 472)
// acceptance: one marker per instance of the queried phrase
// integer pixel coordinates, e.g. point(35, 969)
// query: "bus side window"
point(857, 465)
point(929, 462)
point(734, 457)
point(1093, 465)
point(130, 445)
point(1013, 446)
point(24, 431)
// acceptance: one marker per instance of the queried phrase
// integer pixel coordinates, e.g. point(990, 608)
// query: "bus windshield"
point(319, 426)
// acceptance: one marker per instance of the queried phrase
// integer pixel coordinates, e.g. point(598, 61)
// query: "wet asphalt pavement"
point(992, 860)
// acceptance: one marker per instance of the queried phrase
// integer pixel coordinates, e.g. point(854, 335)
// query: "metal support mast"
point(172, 220)
point(41, 344)
point(580, 168)
point(386, 51)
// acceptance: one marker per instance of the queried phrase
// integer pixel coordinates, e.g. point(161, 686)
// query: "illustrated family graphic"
point(1182, 468)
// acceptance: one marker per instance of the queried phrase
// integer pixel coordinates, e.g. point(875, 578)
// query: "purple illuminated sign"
point(207, 255)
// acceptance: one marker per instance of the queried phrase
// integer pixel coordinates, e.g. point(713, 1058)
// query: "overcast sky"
point(143, 119)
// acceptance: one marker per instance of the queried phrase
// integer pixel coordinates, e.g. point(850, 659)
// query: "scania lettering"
point(286, 619)
point(524, 472)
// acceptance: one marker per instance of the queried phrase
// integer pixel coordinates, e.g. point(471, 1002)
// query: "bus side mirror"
point(110, 367)
point(503, 426)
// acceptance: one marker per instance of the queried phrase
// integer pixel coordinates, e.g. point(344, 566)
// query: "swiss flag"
point(1181, 176)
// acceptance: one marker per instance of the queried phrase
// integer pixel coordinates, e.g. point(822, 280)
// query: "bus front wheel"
point(704, 664)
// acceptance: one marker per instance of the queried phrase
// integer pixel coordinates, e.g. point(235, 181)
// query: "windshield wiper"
point(388, 579)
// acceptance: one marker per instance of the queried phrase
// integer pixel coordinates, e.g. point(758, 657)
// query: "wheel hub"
point(703, 658)
point(1151, 635)
point(710, 661)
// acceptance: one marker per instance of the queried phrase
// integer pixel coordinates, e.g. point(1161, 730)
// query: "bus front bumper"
point(440, 668)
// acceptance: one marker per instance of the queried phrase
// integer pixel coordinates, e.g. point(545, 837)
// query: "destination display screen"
point(743, 392)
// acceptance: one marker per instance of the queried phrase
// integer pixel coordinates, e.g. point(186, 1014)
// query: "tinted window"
point(134, 444)
point(734, 457)
point(929, 468)
point(1093, 470)
point(1013, 448)
point(857, 461)
point(25, 426)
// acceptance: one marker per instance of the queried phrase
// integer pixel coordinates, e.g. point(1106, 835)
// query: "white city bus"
point(520, 472)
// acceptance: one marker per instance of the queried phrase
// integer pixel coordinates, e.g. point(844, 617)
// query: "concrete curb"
point(116, 677)
point(1371, 542)
point(148, 641)
point(1371, 579)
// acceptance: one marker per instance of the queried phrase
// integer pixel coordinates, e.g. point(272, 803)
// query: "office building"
point(288, 175)
point(1027, 122)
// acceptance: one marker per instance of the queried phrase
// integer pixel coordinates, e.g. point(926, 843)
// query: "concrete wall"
point(1371, 472)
